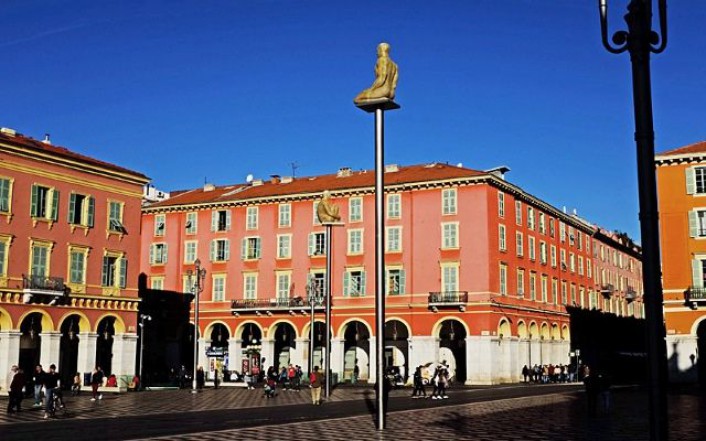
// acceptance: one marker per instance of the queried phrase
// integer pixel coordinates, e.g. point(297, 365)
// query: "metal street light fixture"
point(143, 318)
point(640, 40)
point(199, 274)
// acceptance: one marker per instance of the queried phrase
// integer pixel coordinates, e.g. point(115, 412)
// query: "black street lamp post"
point(200, 275)
point(640, 40)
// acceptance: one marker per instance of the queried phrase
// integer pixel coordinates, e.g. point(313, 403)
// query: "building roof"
point(697, 147)
point(13, 139)
point(345, 179)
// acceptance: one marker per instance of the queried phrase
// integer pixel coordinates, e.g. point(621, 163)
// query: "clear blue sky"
point(187, 90)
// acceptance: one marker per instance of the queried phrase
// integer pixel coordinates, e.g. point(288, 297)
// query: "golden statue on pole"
point(383, 87)
point(326, 211)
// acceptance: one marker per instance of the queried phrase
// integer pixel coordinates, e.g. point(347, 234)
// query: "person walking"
point(96, 382)
point(419, 390)
point(76, 386)
point(525, 372)
point(51, 382)
point(38, 381)
point(356, 373)
point(316, 379)
point(15, 390)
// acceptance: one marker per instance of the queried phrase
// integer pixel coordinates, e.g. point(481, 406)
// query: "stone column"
point(422, 350)
point(479, 359)
point(201, 356)
point(268, 351)
point(337, 357)
point(515, 360)
point(682, 358)
point(9, 354)
point(86, 360)
point(298, 356)
point(372, 356)
point(235, 355)
point(51, 346)
point(125, 354)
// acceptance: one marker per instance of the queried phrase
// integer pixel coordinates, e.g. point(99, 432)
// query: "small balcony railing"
point(42, 289)
point(695, 293)
point(607, 290)
point(270, 306)
point(448, 298)
point(630, 294)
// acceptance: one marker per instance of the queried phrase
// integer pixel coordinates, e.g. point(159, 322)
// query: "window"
point(449, 237)
point(520, 282)
point(250, 286)
point(250, 248)
point(157, 283)
point(191, 223)
point(448, 201)
point(115, 217)
point(697, 223)
point(544, 288)
point(160, 225)
point(533, 285)
point(572, 262)
point(449, 278)
point(4, 254)
point(518, 212)
point(82, 210)
point(564, 299)
point(555, 291)
point(40, 252)
point(190, 251)
point(588, 244)
point(393, 244)
point(543, 252)
point(579, 240)
point(114, 271)
point(283, 284)
point(531, 248)
point(284, 249)
point(519, 244)
point(592, 300)
point(44, 203)
point(572, 236)
point(285, 215)
point(562, 254)
point(552, 229)
point(251, 215)
point(220, 250)
point(696, 180)
point(573, 294)
point(354, 283)
point(552, 255)
point(158, 254)
point(582, 296)
point(394, 206)
point(315, 207)
point(219, 288)
point(316, 284)
point(395, 281)
point(220, 220)
point(355, 209)
point(355, 241)
point(530, 218)
point(317, 244)
point(580, 265)
point(502, 244)
point(542, 224)
point(5, 195)
point(501, 204)
point(588, 268)
point(503, 279)
point(77, 265)
point(562, 232)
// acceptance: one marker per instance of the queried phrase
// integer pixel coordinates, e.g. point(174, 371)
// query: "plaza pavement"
point(497, 413)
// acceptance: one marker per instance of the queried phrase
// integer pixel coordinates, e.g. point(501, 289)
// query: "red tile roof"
point(22, 141)
point(317, 184)
point(698, 147)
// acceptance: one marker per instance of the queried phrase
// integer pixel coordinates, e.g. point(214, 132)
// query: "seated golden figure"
point(385, 78)
point(326, 211)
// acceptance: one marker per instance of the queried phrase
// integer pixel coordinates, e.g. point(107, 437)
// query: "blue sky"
point(190, 90)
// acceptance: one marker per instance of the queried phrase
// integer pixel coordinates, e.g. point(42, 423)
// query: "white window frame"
point(503, 278)
point(283, 284)
point(355, 241)
point(449, 277)
point(449, 201)
point(284, 215)
point(159, 253)
point(394, 206)
point(519, 244)
point(218, 294)
point(501, 204)
point(502, 239)
point(531, 249)
point(284, 246)
point(355, 209)
point(518, 212)
point(160, 225)
point(449, 236)
point(252, 215)
point(250, 285)
point(393, 239)
point(190, 256)
point(520, 282)
point(192, 222)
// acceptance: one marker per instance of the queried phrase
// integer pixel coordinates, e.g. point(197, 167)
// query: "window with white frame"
point(158, 254)
point(530, 218)
point(160, 224)
point(449, 236)
point(552, 255)
point(572, 236)
point(355, 241)
point(503, 279)
point(317, 244)
point(562, 232)
point(572, 262)
point(562, 259)
point(564, 299)
point(555, 291)
point(354, 283)
point(696, 180)
point(192, 222)
point(284, 249)
point(544, 288)
point(250, 248)
point(393, 242)
point(518, 212)
point(502, 241)
point(449, 278)
point(579, 240)
point(552, 229)
point(543, 252)
point(582, 297)
point(190, 251)
point(520, 282)
point(542, 224)
point(519, 244)
point(448, 201)
point(697, 223)
point(533, 285)
point(573, 294)
point(394, 206)
point(589, 272)
point(6, 195)
point(284, 284)
point(501, 204)
point(592, 300)
point(219, 288)
point(220, 220)
point(157, 283)
point(284, 215)
point(531, 248)
point(588, 243)
point(580, 265)
point(355, 209)
point(44, 202)
point(220, 250)
point(250, 286)
point(315, 208)
point(698, 271)
point(395, 281)
point(251, 218)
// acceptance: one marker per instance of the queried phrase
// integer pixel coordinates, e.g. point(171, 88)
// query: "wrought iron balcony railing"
point(448, 298)
point(268, 306)
point(607, 290)
point(695, 293)
point(42, 289)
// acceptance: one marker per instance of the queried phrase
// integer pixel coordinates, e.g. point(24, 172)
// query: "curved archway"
point(32, 324)
point(397, 348)
point(533, 331)
point(504, 329)
point(565, 333)
point(556, 334)
point(250, 334)
point(356, 350)
point(522, 329)
point(70, 328)
point(285, 343)
point(544, 332)
point(5, 320)
point(318, 334)
point(452, 335)
point(104, 343)
point(118, 323)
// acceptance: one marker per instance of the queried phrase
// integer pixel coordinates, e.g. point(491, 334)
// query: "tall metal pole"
point(143, 317)
point(327, 357)
point(380, 265)
point(312, 302)
point(640, 41)
point(197, 288)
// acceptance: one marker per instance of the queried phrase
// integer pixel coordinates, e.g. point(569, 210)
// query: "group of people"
point(288, 378)
point(549, 373)
point(439, 382)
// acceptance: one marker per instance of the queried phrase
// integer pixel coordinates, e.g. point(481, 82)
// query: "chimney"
point(8, 131)
point(391, 168)
point(343, 172)
point(499, 171)
point(47, 139)
point(275, 179)
point(208, 187)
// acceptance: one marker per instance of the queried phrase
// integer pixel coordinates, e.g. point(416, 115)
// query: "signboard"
point(216, 352)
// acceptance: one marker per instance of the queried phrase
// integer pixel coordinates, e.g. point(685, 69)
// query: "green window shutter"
point(33, 211)
point(257, 247)
point(696, 278)
point(123, 272)
point(311, 244)
point(214, 220)
point(106, 269)
point(244, 248)
point(227, 220)
point(90, 213)
point(55, 205)
point(346, 283)
point(152, 254)
point(226, 249)
point(309, 285)
point(2, 258)
point(388, 285)
point(4, 195)
point(402, 281)
point(690, 181)
point(164, 254)
point(362, 283)
point(693, 224)
point(212, 251)
point(72, 208)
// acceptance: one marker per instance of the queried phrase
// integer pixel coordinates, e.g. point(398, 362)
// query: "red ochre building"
point(69, 250)
point(478, 272)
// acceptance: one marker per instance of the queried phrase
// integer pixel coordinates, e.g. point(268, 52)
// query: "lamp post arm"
point(620, 38)
point(662, 5)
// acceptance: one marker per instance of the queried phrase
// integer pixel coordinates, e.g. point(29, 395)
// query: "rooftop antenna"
point(295, 166)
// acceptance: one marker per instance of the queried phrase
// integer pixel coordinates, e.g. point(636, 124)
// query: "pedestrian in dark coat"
point(16, 394)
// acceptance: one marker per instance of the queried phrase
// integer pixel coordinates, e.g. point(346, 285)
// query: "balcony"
point(607, 290)
point(44, 290)
point(630, 294)
point(269, 307)
point(694, 295)
point(448, 299)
